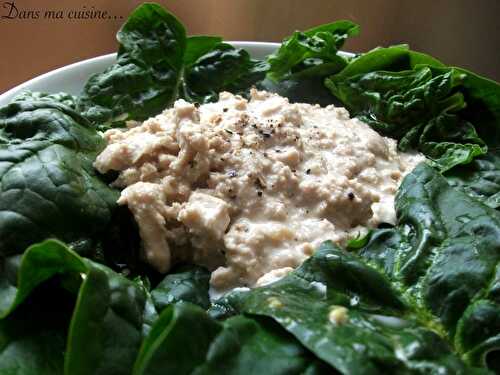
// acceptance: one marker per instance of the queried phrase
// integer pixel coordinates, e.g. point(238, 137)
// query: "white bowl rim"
point(61, 69)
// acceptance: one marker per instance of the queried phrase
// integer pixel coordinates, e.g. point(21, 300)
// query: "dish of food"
point(196, 209)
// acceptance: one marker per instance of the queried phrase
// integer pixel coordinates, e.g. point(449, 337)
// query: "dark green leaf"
point(304, 90)
point(449, 114)
point(30, 349)
point(178, 341)
point(418, 107)
point(395, 102)
point(106, 328)
point(445, 254)
point(479, 179)
point(449, 141)
point(256, 346)
point(199, 45)
point(61, 97)
point(46, 176)
point(395, 58)
point(38, 264)
point(478, 334)
point(483, 106)
point(224, 68)
point(185, 340)
point(145, 78)
point(311, 49)
point(33, 338)
point(188, 284)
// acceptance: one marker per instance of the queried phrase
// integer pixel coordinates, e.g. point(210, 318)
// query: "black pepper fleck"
point(196, 104)
point(224, 110)
point(259, 193)
point(351, 195)
point(308, 171)
point(266, 135)
point(229, 131)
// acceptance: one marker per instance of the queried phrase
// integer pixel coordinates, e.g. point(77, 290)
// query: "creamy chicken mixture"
point(251, 188)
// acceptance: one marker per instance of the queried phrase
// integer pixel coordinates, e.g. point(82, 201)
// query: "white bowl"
point(71, 78)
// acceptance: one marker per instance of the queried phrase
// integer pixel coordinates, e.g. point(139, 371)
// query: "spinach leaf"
point(479, 179)
point(449, 141)
point(187, 283)
point(301, 90)
point(398, 98)
point(28, 347)
point(482, 96)
point(224, 68)
point(445, 256)
point(394, 59)
point(177, 342)
point(312, 52)
point(48, 186)
point(441, 111)
point(106, 326)
point(40, 262)
point(60, 97)
point(349, 315)
point(479, 333)
point(262, 347)
point(147, 73)
point(186, 340)
point(298, 69)
point(417, 107)
point(119, 246)
point(197, 46)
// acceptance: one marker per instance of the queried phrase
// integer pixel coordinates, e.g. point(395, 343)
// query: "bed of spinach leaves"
point(421, 297)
